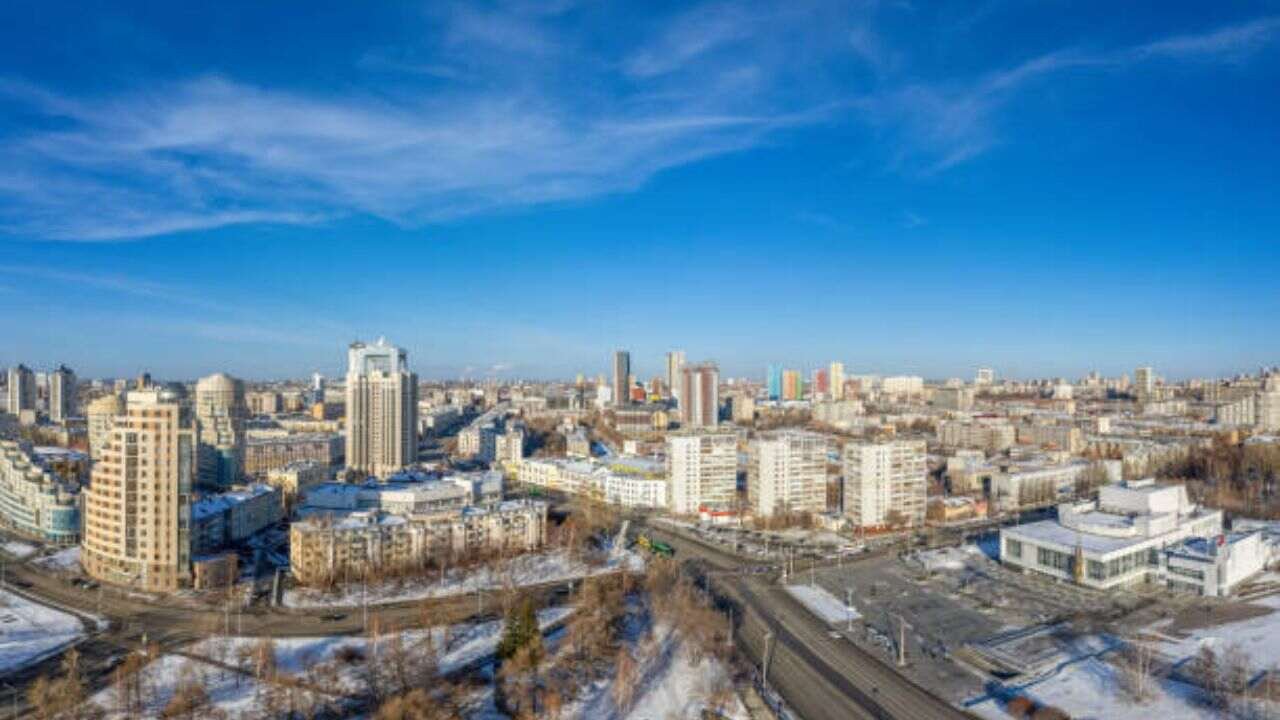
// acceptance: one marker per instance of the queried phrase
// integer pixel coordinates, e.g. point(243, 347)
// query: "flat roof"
point(1055, 533)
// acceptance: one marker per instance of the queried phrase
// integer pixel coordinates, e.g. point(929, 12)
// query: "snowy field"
point(1258, 637)
point(29, 631)
point(235, 694)
point(67, 559)
point(670, 687)
point(1090, 690)
point(823, 604)
point(19, 549)
point(522, 570)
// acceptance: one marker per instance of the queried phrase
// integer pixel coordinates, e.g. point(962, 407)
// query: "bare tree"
point(626, 676)
point(1135, 669)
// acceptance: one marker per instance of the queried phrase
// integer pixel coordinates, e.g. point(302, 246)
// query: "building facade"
point(62, 394)
point(100, 414)
point(323, 549)
point(787, 473)
point(35, 502)
point(702, 469)
point(22, 390)
point(700, 395)
point(885, 483)
point(137, 510)
point(621, 377)
point(222, 412)
point(382, 409)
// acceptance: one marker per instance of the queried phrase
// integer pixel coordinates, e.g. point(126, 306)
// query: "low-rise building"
point(982, 434)
point(295, 479)
point(263, 454)
point(324, 548)
point(35, 501)
point(619, 484)
point(1114, 541)
point(225, 519)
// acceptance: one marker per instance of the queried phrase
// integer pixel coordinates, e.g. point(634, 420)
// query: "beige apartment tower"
point(137, 510)
point(100, 415)
point(382, 409)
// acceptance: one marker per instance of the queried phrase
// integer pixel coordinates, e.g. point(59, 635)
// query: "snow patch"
point(823, 604)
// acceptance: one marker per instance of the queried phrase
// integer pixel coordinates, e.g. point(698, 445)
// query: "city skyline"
point(826, 182)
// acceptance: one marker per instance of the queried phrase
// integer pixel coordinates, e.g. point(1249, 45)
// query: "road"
point(820, 677)
point(135, 621)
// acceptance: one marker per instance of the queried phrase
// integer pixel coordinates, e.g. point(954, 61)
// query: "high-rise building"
point(137, 510)
point(820, 386)
point(621, 377)
point(316, 395)
point(837, 380)
point(382, 409)
point(702, 469)
point(792, 389)
point(787, 473)
point(222, 413)
point(1144, 384)
point(775, 382)
point(885, 483)
point(986, 376)
point(700, 395)
point(675, 361)
point(100, 415)
point(22, 389)
point(62, 394)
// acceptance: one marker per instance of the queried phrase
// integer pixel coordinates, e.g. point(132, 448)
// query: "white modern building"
point(62, 394)
point(787, 473)
point(34, 501)
point(703, 470)
point(1115, 541)
point(627, 486)
point(885, 482)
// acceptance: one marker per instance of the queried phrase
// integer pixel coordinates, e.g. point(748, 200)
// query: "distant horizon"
point(760, 376)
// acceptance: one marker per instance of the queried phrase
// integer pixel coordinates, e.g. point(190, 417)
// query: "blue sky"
point(518, 188)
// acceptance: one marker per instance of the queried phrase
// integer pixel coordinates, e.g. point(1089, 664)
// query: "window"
point(1013, 548)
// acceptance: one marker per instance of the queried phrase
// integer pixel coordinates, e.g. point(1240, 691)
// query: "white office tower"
point(675, 363)
point(836, 378)
point(621, 377)
point(885, 483)
point(222, 413)
point(62, 394)
point(702, 469)
point(382, 409)
point(787, 473)
point(700, 395)
point(22, 390)
point(986, 376)
point(317, 389)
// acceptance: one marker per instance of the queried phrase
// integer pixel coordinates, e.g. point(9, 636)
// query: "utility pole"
point(848, 605)
point(902, 641)
point(226, 618)
point(768, 654)
point(364, 601)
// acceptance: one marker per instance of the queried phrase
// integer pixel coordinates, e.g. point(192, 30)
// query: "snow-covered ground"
point(66, 559)
point(522, 570)
point(19, 549)
point(235, 694)
point(948, 558)
point(823, 604)
point(1090, 690)
point(671, 686)
point(1257, 637)
point(30, 631)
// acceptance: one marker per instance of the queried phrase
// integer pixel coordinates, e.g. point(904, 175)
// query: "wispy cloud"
point(481, 119)
point(112, 282)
